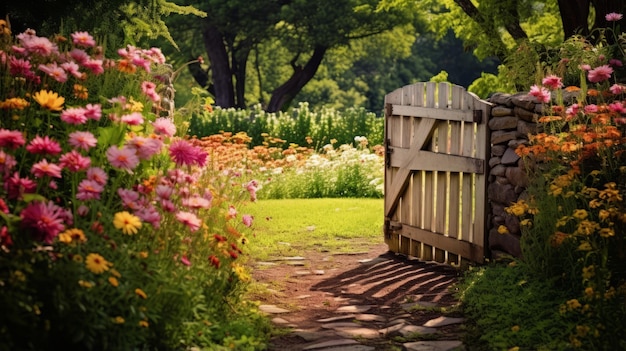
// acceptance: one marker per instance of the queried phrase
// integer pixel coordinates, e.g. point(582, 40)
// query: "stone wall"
point(513, 118)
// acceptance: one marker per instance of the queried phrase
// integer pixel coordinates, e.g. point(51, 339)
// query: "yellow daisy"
point(50, 100)
point(127, 222)
point(96, 263)
point(113, 281)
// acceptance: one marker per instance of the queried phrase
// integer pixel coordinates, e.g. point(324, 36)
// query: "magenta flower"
point(74, 161)
point(542, 94)
point(185, 154)
point(89, 190)
point(164, 191)
point(39, 45)
point(164, 126)
point(11, 138)
point(145, 147)
point(184, 260)
point(20, 68)
point(93, 112)
point(247, 220)
point(149, 215)
point(168, 206)
point(82, 140)
point(43, 146)
point(98, 175)
point(7, 162)
point(133, 119)
point(54, 71)
point(615, 63)
point(149, 89)
point(124, 158)
point(79, 56)
point(74, 115)
point(72, 68)
point(189, 219)
point(617, 107)
point(130, 198)
point(613, 17)
point(16, 186)
point(43, 168)
point(616, 89)
point(591, 108)
point(600, 74)
point(95, 66)
point(83, 39)
point(552, 82)
point(43, 220)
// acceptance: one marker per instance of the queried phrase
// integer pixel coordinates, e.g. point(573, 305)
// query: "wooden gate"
point(436, 145)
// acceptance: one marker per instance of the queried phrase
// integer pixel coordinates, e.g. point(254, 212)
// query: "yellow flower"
point(118, 320)
point(573, 304)
point(515, 328)
point(86, 285)
point(580, 214)
point(126, 222)
point(589, 272)
point(589, 292)
point(582, 330)
point(113, 281)
point(587, 227)
point(584, 246)
point(502, 229)
point(526, 223)
point(604, 214)
point(141, 293)
point(143, 254)
point(607, 232)
point(562, 221)
point(77, 258)
point(610, 193)
point(72, 235)
point(144, 324)
point(14, 104)
point(96, 263)
point(115, 273)
point(134, 106)
point(65, 238)
point(50, 100)
point(240, 272)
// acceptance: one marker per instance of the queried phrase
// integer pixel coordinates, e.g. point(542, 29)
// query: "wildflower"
point(145, 147)
point(43, 146)
point(82, 140)
point(43, 168)
point(80, 91)
point(118, 320)
point(16, 186)
point(148, 88)
point(580, 214)
point(133, 119)
point(584, 246)
point(247, 220)
point(184, 260)
point(552, 82)
point(124, 158)
point(95, 66)
point(573, 304)
point(74, 115)
point(93, 112)
point(89, 190)
point(542, 94)
point(613, 17)
point(14, 104)
point(144, 323)
point(76, 235)
point(114, 282)
point(606, 232)
point(189, 219)
point(164, 126)
point(55, 71)
point(600, 74)
point(83, 39)
point(127, 222)
point(97, 175)
point(502, 229)
point(74, 161)
point(86, 285)
point(11, 139)
point(185, 154)
point(215, 262)
point(38, 45)
point(164, 191)
point(130, 198)
point(44, 220)
point(141, 293)
point(589, 272)
point(50, 100)
point(96, 264)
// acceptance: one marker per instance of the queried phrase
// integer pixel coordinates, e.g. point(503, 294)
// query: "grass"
point(288, 227)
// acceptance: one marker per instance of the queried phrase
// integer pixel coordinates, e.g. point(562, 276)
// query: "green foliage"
point(489, 83)
point(300, 126)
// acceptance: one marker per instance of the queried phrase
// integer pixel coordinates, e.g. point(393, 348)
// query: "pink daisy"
point(20, 67)
point(93, 111)
point(542, 94)
point(82, 140)
point(130, 198)
point(616, 89)
point(145, 147)
point(189, 219)
point(168, 206)
point(43, 146)
point(89, 190)
point(592, 108)
point(600, 74)
point(196, 202)
point(155, 54)
point(552, 82)
point(74, 115)
point(95, 66)
point(11, 138)
point(149, 215)
point(133, 119)
point(54, 71)
point(39, 45)
point(183, 153)
point(74, 161)
point(617, 107)
point(141, 62)
point(43, 220)
point(164, 126)
point(16, 186)
point(72, 68)
point(247, 220)
point(83, 39)
point(79, 56)
point(184, 260)
point(7, 162)
point(124, 158)
point(164, 191)
point(98, 175)
point(43, 168)
point(613, 17)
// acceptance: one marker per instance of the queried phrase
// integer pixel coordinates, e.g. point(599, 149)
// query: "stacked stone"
point(513, 118)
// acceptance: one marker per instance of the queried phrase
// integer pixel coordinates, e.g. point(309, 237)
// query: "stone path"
point(387, 302)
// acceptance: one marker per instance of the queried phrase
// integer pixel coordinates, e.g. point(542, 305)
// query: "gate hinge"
point(388, 152)
point(478, 116)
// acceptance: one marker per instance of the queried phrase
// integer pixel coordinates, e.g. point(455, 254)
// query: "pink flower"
point(95, 66)
point(616, 89)
point(148, 88)
point(72, 68)
point(93, 112)
point(54, 71)
point(617, 107)
point(189, 219)
point(196, 202)
point(615, 63)
point(11, 138)
point(542, 94)
point(184, 260)
point(232, 212)
point(183, 153)
point(591, 108)
point(149, 215)
point(16, 186)
point(43, 146)
point(82, 140)
point(168, 206)
point(141, 62)
point(74, 115)
point(585, 67)
point(613, 17)
point(145, 147)
point(39, 45)
point(572, 110)
point(83, 39)
point(7, 162)
point(164, 191)
point(164, 126)
point(82, 210)
point(124, 158)
point(133, 119)
point(79, 56)
point(247, 220)
point(130, 198)
point(89, 190)
point(552, 82)
point(98, 175)
point(74, 161)
point(21, 68)
point(600, 73)
point(43, 168)
point(43, 220)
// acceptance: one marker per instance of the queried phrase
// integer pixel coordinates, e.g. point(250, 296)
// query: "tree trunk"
point(574, 14)
point(239, 64)
point(220, 68)
point(300, 77)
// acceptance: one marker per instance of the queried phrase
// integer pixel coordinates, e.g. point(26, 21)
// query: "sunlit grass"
point(287, 227)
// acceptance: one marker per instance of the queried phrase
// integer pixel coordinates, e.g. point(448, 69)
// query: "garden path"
point(365, 301)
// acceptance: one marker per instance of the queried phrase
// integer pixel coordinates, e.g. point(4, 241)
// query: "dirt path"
point(382, 300)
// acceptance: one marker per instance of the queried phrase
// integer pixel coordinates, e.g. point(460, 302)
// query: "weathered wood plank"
point(433, 161)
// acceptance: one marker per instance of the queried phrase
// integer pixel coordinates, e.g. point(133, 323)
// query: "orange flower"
point(572, 88)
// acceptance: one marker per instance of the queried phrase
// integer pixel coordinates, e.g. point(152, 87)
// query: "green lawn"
point(290, 226)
